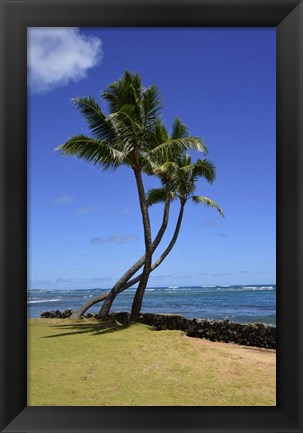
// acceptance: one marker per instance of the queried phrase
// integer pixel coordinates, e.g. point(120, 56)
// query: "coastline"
point(250, 334)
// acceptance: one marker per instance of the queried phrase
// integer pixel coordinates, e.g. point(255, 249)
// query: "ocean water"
point(243, 304)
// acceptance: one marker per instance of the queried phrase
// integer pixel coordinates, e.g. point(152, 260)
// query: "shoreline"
point(249, 334)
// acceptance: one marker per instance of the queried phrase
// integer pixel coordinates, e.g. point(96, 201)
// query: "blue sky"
point(84, 224)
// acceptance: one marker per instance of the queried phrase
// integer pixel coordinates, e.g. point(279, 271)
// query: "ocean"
point(238, 303)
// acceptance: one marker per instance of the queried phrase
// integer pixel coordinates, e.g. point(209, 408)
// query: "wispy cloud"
point(220, 275)
point(124, 211)
point(161, 277)
point(113, 239)
point(85, 210)
point(71, 283)
point(64, 199)
point(57, 56)
point(97, 241)
point(209, 223)
point(222, 235)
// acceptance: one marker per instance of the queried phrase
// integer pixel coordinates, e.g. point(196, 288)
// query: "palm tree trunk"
point(104, 311)
point(82, 310)
point(136, 307)
point(144, 212)
point(137, 302)
point(165, 252)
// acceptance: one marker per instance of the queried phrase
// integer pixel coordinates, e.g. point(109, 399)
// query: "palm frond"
point(198, 199)
point(157, 134)
point(179, 129)
point(125, 91)
point(162, 170)
point(157, 195)
point(183, 183)
point(171, 148)
point(184, 160)
point(185, 169)
point(94, 116)
point(125, 116)
point(151, 105)
point(126, 129)
point(92, 150)
point(205, 168)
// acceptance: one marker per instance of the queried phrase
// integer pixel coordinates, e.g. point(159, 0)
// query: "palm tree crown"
point(128, 133)
point(183, 178)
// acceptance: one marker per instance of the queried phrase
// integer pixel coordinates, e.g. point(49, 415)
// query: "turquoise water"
point(244, 304)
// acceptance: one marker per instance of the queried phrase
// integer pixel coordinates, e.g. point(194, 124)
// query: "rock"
point(121, 317)
point(66, 314)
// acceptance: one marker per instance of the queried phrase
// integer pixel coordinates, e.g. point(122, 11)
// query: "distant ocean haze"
point(238, 303)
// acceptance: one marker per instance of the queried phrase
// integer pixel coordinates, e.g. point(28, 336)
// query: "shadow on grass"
point(98, 328)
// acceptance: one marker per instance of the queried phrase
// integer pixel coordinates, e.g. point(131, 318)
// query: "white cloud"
point(57, 56)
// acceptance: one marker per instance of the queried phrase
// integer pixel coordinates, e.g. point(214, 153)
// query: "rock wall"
point(252, 334)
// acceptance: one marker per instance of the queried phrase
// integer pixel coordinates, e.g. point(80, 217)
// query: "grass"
point(90, 363)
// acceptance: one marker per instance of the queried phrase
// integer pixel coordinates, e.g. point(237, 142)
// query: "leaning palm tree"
point(184, 179)
point(162, 165)
point(184, 175)
point(124, 137)
point(155, 164)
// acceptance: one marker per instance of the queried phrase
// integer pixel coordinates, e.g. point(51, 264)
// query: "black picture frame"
point(16, 16)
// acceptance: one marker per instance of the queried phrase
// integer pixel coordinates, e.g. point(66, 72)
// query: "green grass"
point(90, 363)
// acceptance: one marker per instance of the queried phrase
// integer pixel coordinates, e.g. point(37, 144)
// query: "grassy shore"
point(90, 363)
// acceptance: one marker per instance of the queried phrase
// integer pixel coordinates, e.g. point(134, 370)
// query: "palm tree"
point(184, 176)
point(160, 164)
point(125, 136)
point(156, 196)
point(184, 179)
point(163, 170)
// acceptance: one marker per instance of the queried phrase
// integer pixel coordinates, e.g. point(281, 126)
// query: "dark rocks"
point(249, 334)
point(56, 314)
point(121, 317)
point(161, 321)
